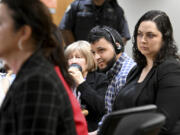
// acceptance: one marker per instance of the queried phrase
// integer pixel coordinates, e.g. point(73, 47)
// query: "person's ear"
point(25, 33)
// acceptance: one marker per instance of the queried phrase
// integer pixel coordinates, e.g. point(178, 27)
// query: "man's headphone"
point(116, 47)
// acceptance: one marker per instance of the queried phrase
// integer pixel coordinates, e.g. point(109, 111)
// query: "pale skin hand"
point(76, 74)
point(93, 133)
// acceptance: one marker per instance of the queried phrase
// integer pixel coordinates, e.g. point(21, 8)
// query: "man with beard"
point(108, 50)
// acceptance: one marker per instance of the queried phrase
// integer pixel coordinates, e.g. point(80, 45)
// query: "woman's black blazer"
point(160, 87)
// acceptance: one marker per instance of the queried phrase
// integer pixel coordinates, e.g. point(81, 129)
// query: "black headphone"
point(117, 48)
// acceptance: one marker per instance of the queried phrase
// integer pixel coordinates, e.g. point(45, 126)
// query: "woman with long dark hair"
point(156, 79)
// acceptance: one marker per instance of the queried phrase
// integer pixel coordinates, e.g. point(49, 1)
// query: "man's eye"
point(93, 52)
point(101, 50)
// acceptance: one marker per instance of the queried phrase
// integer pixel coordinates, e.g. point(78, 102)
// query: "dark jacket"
point(82, 15)
point(92, 96)
point(36, 102)
point(160, 87)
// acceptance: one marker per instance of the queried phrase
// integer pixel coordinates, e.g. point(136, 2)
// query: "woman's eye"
point(150, 35)
point(139, 34)
point(69, 58)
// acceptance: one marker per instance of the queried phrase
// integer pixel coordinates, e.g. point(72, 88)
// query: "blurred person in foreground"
point(156, 79)
point(36, 102)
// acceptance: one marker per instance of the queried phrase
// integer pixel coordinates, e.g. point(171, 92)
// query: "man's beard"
point(109, 65)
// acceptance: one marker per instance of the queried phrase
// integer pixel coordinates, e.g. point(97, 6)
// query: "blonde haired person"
point(91, 85)
point(81, 51)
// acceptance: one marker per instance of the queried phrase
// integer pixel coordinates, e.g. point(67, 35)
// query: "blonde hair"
point(84, 48)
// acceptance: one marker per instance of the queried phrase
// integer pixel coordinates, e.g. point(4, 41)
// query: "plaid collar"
point(114, 70)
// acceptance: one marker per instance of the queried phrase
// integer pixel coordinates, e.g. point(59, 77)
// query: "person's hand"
point(76, 74)
point(85, 112)
point(93, 133)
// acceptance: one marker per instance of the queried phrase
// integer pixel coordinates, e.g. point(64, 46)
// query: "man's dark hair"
point(110, 34)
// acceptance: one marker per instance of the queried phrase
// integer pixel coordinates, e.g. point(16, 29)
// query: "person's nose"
point(97, 56)
point(143, 39)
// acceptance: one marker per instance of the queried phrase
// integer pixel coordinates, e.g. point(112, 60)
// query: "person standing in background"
point(82, 15)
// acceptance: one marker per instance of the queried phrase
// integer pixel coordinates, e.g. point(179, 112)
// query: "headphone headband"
point(117, 48)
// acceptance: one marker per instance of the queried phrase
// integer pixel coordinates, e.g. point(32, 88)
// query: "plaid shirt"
point(36, 103)
point(117, 78)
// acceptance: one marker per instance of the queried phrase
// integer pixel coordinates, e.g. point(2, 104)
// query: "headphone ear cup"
point(119, 47)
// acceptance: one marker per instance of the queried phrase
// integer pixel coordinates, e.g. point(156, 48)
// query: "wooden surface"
point(61, 8)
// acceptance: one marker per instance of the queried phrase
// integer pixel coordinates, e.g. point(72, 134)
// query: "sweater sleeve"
point(93, 92)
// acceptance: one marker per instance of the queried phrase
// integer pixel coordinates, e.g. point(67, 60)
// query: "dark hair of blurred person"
point(68, 82)
point(57, 57)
